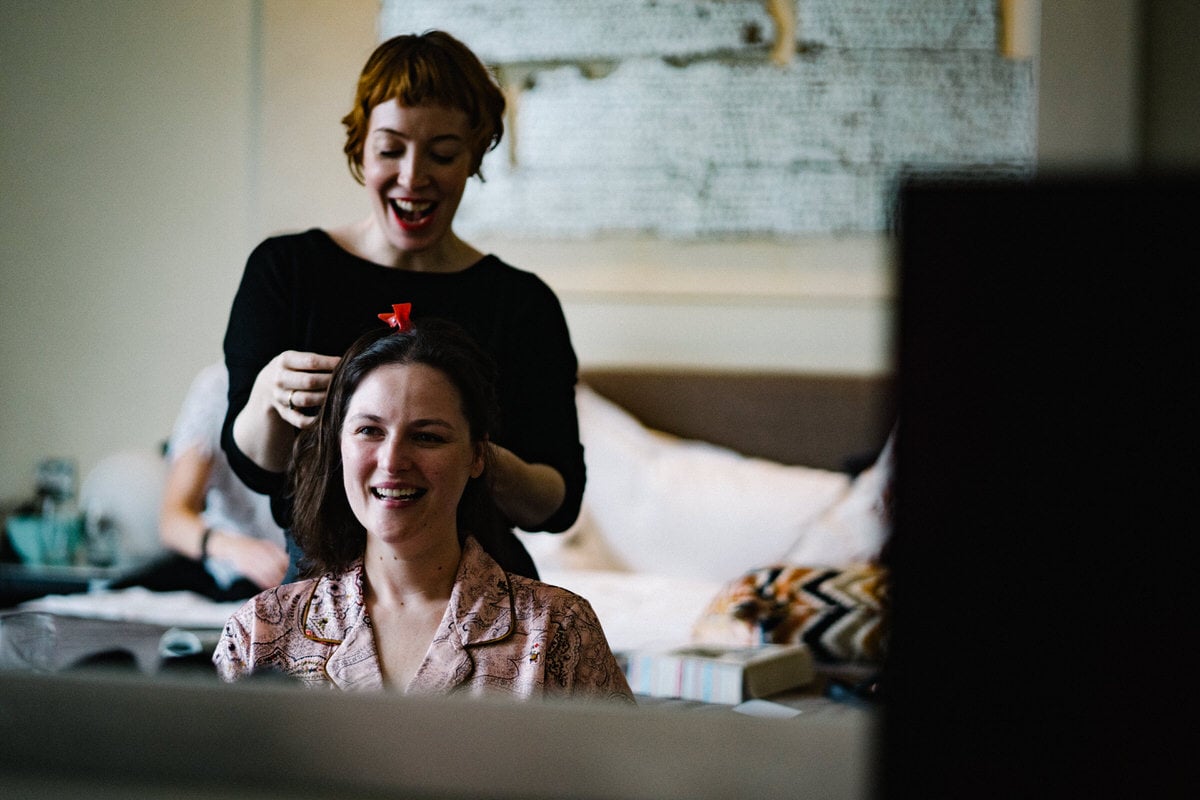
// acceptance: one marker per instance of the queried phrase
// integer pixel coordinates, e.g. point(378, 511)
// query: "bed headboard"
point(815, 420)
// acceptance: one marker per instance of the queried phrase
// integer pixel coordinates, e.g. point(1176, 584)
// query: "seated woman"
point(387, 486)
point(208, 515)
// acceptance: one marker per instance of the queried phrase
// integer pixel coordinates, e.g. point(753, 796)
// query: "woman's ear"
point(480, 461)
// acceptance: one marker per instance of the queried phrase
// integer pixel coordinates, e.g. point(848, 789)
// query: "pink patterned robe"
point(501, 634)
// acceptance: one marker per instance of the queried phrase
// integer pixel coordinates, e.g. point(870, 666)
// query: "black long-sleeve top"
point(304, 292)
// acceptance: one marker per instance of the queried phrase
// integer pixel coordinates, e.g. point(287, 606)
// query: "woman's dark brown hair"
point(323, 524)
point(433, 68)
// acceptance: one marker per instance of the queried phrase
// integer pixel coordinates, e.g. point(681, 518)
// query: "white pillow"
point(639, 610)
point(854, 529)
point(686, 508)
point(580, 547)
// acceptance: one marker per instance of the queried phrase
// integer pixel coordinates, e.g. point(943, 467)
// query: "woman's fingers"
point(300, 361)
point(302, 379)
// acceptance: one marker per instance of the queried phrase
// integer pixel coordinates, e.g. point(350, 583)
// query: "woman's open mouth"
point(407, 494)
point(412, 211)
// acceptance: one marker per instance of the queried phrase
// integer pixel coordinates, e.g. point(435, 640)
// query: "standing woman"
point(425, 113)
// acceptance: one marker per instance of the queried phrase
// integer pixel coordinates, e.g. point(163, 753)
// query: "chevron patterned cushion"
point(840, 613)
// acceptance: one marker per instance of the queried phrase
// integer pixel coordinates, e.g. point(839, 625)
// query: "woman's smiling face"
point(407, 453)
point(415, 166)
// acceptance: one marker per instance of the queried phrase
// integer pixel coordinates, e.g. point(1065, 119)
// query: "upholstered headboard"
point(814, 420)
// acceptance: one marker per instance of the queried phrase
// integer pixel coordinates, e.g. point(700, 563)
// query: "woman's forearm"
point(264, 437)
point(527, 493)
point(180, 524)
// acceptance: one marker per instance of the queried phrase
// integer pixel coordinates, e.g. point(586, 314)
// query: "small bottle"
point(56, 530)
point(61, 523)
point(100, 539)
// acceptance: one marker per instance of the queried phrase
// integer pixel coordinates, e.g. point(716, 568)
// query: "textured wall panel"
point(664, 118)
point(899, 24)
point(567, 30)
point(564, 30)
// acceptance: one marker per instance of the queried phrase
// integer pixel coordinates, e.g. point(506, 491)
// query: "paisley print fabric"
point(502, 634)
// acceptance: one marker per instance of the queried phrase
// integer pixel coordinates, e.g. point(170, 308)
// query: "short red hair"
point(432, 68)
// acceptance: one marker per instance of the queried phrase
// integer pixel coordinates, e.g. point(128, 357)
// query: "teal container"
point(45, 541)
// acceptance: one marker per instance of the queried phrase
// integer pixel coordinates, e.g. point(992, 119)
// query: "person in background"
point(425, 112)
point(208, 514)
point(390, 483)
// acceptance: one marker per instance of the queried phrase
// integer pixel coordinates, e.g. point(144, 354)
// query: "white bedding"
point(638, 609)
point(182, 609)
point(667, 522)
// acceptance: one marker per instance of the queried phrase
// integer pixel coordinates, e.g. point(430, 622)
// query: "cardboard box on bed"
point(719, 673)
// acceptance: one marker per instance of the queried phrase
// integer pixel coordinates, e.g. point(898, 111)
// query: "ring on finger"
point(291, 395)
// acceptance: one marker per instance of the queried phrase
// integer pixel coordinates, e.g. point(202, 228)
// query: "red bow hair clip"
point(399, 318)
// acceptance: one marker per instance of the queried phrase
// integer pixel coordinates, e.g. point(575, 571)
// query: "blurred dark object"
point(1045, 488)
point(44, 642)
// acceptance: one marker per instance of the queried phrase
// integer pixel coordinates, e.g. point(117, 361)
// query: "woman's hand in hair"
point(286, 396)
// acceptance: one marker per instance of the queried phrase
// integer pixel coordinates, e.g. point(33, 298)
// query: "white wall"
point(125, 181)
point(1089, 83)
point(310, 55)
point(146, 147)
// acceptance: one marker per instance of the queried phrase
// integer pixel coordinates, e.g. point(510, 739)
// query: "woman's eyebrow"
point(424, 422)
point(440, 137)
point(432, 422)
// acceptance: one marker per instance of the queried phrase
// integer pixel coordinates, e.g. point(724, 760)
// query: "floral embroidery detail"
point(535, 652)
point(558, 659)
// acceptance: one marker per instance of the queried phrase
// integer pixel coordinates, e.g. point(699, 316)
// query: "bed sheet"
point(638, 609)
